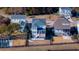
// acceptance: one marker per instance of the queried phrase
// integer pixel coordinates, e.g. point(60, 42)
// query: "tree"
point(12, 27)
point(3, 29)
point(9, 29)
point(75, 37)
point(6, 21)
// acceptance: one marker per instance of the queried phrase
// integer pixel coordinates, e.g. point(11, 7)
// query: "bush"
point(3, 29)
point(12, 27)
point(75, 37)
point(9, 29)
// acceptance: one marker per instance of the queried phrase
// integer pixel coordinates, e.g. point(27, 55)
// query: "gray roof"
point(62, 23)
point(18, 17)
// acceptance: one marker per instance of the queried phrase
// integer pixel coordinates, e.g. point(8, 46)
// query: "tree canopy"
point(9, 29)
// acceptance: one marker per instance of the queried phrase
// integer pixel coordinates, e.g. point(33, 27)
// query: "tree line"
point(31, 10)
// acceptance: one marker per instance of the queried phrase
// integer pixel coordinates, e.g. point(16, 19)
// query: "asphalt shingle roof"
point(62, 23)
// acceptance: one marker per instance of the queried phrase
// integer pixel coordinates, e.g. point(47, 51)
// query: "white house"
point(38, 29)
point(20, 19)
point(66, 13)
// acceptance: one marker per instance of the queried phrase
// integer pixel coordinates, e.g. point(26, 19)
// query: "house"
point(66, 13)
point(20, 19)
point(38, 29)
point(76, 27)
point(62, 27)
point(62, 31)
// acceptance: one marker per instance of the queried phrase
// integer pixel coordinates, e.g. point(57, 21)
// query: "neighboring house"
point(38, 29)
point(77, 27)
point(66, 13)
point(20, 19)
point(62, 27)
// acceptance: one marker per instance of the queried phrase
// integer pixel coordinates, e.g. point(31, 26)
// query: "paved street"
point(60, 47)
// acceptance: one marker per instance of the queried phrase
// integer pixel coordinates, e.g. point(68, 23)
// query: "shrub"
point(75, 37)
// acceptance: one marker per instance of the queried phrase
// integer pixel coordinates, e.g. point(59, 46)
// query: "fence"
point(5, 41)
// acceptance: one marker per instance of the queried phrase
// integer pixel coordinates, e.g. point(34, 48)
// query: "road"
point(57, 47)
